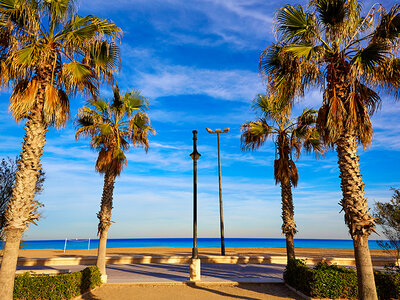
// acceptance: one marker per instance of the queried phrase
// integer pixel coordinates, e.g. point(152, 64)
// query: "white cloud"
point(386, 126)
point(238, 24)
point(173, 80)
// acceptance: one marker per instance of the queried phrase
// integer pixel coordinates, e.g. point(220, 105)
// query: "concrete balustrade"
point(65, 261)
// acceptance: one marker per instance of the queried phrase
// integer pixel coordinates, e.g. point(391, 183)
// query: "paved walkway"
point(189, 291)
point(180, 272)
point(170, 281)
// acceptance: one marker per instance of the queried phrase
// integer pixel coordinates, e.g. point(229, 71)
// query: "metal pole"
point(195, 156)
point(221, 214)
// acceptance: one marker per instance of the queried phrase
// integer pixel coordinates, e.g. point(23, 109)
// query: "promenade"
point(163, 272)
point(210, 272)
point(170, 281)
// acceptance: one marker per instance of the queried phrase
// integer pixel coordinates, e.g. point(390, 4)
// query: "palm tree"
point(351, 58)
point(289, 136)
point(112, 126)
point(47, 53)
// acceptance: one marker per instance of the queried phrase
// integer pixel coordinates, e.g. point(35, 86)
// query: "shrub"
point(298, 275)
point(387, 285)
point(330, 281)
point(62, 286)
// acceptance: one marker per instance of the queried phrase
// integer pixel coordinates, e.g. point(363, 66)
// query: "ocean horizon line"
point(89, 243)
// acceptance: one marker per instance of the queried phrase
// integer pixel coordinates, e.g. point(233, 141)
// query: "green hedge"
point(330, 281)
point(62, 286)
point(387, 285)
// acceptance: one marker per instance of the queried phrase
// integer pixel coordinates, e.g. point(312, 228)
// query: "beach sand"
point(169, 251)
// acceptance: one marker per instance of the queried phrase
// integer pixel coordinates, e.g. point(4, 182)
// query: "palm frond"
point(101, 106)
point(56, 106)
point(79, 77)
point(140, 127)
point(58, 11)
point(307, 118)
point(105, 59)
point(80, 29)
point(110, 160)
point(85, 126)
point(134, 101)
point(366, 59)
point(270, 59)
point(386, 75)
point(23, 99)
point(312, 143)
point(369, 97)
point(306, 50)
point(388, 28)
point(294, 174)
point(25, 56)
point(271, 109)
point(294, 24)
point(332, 13)
point(286, 74)
point(21, 13)
point(117, 102)
point(254, 134)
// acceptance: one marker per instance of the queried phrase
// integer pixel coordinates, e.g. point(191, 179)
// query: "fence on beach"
point(76, 241)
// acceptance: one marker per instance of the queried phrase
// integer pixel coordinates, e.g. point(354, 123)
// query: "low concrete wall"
point(44, 271)
point(65, 261)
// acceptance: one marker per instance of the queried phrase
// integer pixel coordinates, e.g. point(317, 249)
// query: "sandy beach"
point(169, 251)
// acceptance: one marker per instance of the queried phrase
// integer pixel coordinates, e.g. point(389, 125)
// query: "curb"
point(300, 294)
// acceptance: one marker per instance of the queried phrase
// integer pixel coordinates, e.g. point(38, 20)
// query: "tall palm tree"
point(47, 53)
point(289, 136)
point(112, 126)
point(351, 58)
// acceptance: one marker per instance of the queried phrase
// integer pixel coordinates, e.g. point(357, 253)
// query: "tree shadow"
point(214, 291)
point(271, 289)
point(209, 272)
point(89, 296)
point(149, 273)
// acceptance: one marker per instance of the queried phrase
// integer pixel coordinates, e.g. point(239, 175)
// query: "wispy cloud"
point(185, 20)
point(173, 80)
point(386, 127)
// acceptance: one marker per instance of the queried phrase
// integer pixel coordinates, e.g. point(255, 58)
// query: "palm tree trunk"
point(21, 209)
point(105, 219)
point(288, 226)
point(356, 210)
point(9, 263)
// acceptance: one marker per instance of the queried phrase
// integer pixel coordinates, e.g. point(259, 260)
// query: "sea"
point(75, 244)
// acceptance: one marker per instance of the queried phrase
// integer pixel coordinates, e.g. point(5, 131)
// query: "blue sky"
point(197, 63)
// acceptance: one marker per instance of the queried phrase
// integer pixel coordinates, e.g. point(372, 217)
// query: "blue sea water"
point(188, 242)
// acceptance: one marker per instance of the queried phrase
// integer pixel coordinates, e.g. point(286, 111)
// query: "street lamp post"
point(195, 156)
point(221, 215)
point(195, 261)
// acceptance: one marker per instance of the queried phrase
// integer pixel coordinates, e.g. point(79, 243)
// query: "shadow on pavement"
point(277, 290)
point(192, 285)
point(148, 273)
point(180, 272)
point(89, 296)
